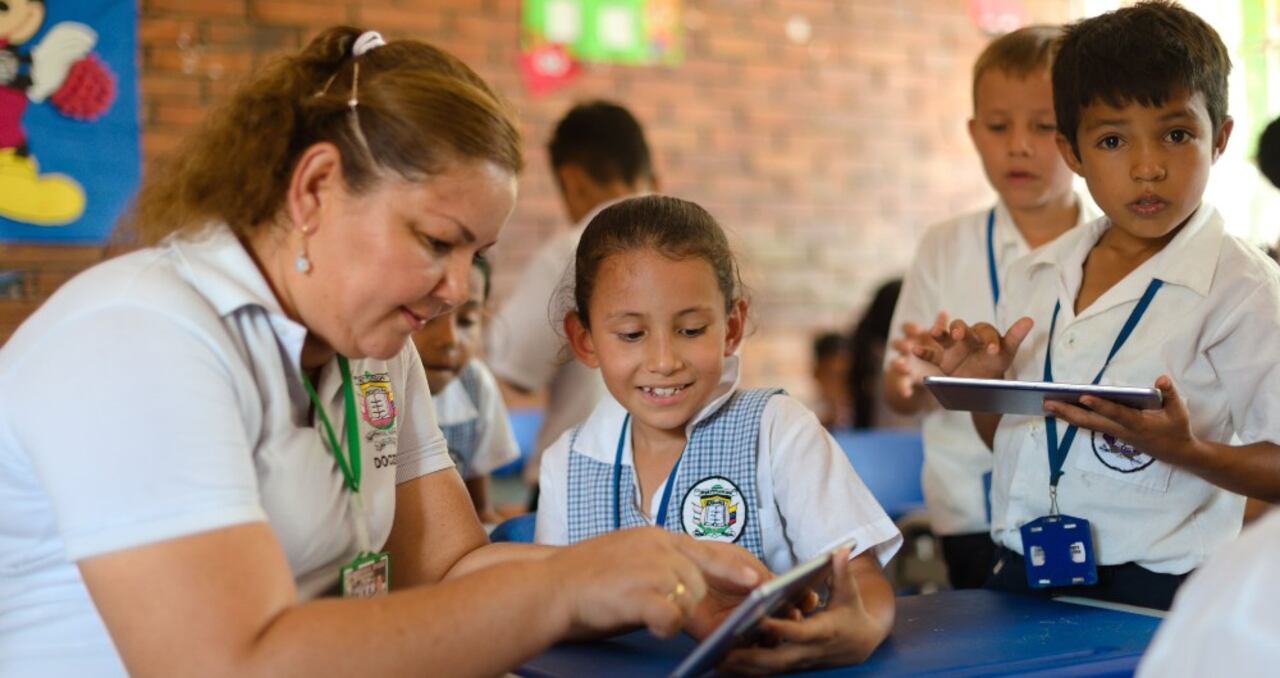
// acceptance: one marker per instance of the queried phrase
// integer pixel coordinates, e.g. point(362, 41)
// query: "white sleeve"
point(822, 500)
point(422, 447)
point(524, 343)
point(1224, 620)
point(1246, 357)
point(918, 302)
point(552, 526)
point(136, 437)
point(497, 445)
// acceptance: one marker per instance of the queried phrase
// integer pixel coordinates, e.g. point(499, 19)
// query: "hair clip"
point(368, 40)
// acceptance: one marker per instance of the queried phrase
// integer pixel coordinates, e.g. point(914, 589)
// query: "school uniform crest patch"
point(1118, 455)
point(377, 402)
point(714, 509)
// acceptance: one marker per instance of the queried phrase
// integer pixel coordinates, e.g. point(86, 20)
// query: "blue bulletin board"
point(69, 157)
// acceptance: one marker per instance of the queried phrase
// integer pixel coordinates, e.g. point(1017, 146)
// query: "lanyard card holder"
point(1059, 552)
point(367, 576)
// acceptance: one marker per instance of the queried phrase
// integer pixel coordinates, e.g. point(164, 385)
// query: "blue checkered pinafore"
point(463, 437)
point(720, 455)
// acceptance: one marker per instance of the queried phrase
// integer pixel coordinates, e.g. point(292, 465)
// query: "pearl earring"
point(302, 263)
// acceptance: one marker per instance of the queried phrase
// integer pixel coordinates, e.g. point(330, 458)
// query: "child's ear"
point(584, 349)
point(735, 327)
point(1220, 139)
point(1068, 154)
point(973, 125)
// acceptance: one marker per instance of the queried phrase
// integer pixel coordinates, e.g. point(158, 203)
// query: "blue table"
point(956, 633)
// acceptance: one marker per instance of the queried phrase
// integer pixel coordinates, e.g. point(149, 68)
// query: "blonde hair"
point(1020, 53)
point(419, 109)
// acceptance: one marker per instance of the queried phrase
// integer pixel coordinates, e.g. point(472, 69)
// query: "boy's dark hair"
point(486, 272)
point(1144, 53)
point(829, 344)
point(1021, 53)
point(1269, 152)
point(677, 229)
point(605, 140)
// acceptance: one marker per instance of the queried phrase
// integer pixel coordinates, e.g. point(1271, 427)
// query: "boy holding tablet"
point(961, 266)
point(1103, 500)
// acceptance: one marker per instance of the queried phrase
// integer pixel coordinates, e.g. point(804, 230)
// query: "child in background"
point(830, 367)
point(468, 403)
point(1154, 292)
point(678, 444)
point(961, 268)
point(870, 340)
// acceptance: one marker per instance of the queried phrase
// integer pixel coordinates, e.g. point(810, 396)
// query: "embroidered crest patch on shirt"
point(1118, 455)
point(377, 403)
point(714, 509)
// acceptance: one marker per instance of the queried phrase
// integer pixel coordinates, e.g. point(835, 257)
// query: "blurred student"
point(599, 156)
point(468, 402)
point(865, 376)
point(961, 268)
point(830, 370)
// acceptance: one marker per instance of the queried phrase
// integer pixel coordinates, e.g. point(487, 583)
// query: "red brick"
point(298, 13)
point(200, 8)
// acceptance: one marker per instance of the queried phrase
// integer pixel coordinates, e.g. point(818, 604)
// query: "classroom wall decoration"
point(69, 156)
point(634, 32)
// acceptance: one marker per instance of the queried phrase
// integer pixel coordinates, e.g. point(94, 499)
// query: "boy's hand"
point(1164, 433)
point(906, 372)
point(978, 352)
point(844, 633)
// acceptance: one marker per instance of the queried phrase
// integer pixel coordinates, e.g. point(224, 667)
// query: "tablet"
point(761, 602)
point(1027, 397)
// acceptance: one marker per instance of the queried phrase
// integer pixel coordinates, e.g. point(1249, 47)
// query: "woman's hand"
point(644, 576)
point(856, 620)
point(977, 351)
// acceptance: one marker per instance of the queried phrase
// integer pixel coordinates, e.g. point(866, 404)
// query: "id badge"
point(1059, 552)
point(368, 575)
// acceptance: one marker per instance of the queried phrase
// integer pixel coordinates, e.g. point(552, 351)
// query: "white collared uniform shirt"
point(495, 443)
point(811, 498)
point(950, 273)
point(1225, 621)
point(1212, 328)
point(158, 395)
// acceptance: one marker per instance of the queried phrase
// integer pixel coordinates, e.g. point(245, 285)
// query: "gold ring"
point(677, 592)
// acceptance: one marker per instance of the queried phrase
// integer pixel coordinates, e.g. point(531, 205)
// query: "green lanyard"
point(350, 467)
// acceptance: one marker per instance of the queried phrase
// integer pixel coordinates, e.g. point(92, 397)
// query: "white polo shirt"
point(158, 395)
point(495, 443)
point(812, 499)
point(526, 344)
point(1212, 328)
point(1225, 621)
point(950, 273)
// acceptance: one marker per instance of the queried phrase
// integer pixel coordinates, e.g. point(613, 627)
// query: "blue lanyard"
point(1058, 453)
point(661, 518)
point(991, 257)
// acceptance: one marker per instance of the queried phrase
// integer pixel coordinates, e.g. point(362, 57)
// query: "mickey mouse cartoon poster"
point(69, 157)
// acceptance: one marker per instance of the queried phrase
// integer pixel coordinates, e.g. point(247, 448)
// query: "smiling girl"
point(677, 444)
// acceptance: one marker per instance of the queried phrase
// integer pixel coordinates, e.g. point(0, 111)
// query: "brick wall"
point(825, 160)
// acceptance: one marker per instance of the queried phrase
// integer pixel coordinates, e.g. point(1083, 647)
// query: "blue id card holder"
point(1059, 552)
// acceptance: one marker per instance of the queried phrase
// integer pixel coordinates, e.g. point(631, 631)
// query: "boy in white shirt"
point(467, 399)
point(1155, 291)
point(961, 266)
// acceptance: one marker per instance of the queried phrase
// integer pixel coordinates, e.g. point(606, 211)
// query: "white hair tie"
point(368, 40)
